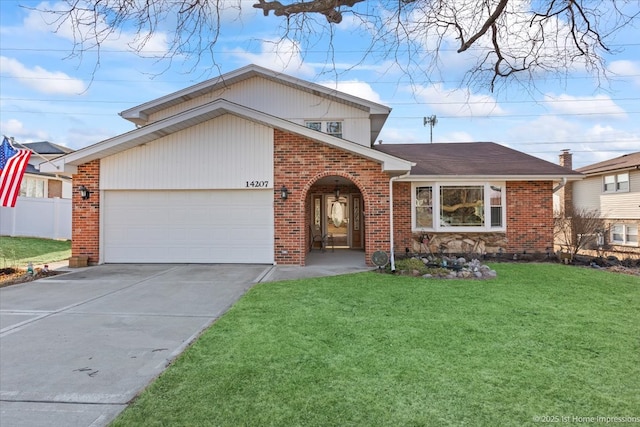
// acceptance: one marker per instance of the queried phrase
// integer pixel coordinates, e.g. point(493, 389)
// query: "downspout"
point(563, 182)
point(392, 254)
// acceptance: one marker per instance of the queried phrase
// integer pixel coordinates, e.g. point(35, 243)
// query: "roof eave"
point(613, 169)
point(153, 131)
point(139, 114)
point(497, 177)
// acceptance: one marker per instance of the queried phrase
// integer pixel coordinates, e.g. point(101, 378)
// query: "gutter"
point(563, 182)
point(391, 242)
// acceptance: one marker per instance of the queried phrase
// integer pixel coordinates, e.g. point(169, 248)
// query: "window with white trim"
point(616, 183)
point(333, 128)
point(32, 187)
point(441, 206)
point(624, 234)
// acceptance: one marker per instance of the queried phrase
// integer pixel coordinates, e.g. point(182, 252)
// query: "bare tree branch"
point(508, 40)
point(577, 228)
point(489, 23)
point(328, 8)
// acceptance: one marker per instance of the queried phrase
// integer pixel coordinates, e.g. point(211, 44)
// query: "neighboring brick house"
point(251, 166)
point(612, 188)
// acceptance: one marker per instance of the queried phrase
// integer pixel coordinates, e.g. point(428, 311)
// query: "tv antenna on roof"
point(431, 121)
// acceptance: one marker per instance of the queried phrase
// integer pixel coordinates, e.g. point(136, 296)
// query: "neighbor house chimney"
point(566, 193)
point(566, 159)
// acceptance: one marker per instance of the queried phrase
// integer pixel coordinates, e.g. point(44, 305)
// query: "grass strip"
point(16, 252)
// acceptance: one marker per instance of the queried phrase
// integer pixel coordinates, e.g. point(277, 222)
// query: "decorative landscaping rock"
point(444, 268)
point(463, 269)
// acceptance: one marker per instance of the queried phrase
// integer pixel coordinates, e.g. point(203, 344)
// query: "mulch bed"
point(13, 276)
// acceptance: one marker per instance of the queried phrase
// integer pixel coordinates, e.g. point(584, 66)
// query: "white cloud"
point(420, 135)
point(456, 102)
point(356, 88)
point(459, 136)
point(546, 136)
point(278, 55)
point(152, 44)
point(588, 106)
point(626, 69)
point(50, 82)
point(16, 129)
point(83, 137)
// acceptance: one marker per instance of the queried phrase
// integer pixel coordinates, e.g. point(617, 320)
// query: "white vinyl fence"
point(37, 217)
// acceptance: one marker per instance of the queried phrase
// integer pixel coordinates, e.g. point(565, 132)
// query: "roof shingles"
point(472, 159)
point(627, 161)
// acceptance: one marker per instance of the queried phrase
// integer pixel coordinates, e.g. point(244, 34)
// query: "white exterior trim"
point(197, 115)
point(467, 178)
point(437, 223)
point(140, 113)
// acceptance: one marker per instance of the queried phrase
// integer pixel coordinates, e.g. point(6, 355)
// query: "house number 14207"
point(257, 184)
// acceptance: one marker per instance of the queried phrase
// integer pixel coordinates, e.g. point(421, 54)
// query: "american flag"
point(13, 163)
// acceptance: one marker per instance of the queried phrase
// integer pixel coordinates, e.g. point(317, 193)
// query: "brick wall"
point(298, 163)
point(85, 215)
point(529, 216)
point(402, 235)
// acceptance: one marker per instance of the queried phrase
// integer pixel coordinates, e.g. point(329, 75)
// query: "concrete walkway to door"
point(76, 348)
point(319, 264)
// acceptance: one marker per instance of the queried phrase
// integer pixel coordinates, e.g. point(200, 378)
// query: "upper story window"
point(616, 183)
point(333, 128)
point(32, 187)
point(443, 206)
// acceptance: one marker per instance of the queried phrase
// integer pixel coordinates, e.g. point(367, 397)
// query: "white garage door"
point(222, 226)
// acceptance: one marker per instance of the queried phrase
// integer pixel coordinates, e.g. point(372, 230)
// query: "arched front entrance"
point(334, 215)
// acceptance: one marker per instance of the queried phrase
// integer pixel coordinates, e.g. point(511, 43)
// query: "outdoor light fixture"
point(84, 193)
point(336, 192)
point(284, 193)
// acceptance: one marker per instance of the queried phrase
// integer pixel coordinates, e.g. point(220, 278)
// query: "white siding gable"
point(227, 152)
point(286, 102)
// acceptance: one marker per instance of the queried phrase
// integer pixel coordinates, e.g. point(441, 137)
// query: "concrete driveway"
point(76, 348)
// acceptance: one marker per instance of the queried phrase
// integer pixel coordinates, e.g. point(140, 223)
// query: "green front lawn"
point(18, 251)
point(541, 340)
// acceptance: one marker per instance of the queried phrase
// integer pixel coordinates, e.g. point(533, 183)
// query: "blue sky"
point(46, 93)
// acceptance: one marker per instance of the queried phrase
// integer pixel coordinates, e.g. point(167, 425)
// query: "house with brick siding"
point(257, 166)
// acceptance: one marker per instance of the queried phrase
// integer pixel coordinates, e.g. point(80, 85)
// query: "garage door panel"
point(221, 226)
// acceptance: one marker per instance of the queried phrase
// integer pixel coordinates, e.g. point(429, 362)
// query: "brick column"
point(85, 216)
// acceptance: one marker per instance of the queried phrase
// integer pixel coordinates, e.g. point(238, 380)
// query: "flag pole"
point(13, 142)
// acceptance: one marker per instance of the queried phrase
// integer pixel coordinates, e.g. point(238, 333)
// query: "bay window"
point(440, 206)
